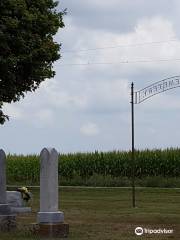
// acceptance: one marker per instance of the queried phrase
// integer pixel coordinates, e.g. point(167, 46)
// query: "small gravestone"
point(14, 198)
point(7, 219)
point(50, 221)
point(16, 203)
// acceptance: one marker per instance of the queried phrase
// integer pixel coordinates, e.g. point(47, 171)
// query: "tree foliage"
point(27, 48)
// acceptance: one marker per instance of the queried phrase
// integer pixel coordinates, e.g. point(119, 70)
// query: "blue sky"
point(86, 106)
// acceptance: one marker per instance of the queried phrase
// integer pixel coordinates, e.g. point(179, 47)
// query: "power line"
point(121, 62)
point(118, 46)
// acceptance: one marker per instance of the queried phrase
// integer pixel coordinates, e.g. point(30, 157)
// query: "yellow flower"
point(26, 195)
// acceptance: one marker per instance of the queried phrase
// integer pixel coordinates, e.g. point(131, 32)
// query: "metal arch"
point(156, 88)
point(138, 97)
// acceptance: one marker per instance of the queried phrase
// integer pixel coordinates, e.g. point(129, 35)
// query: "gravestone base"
point(55, 230)
point(7, 223)
point(50, 217)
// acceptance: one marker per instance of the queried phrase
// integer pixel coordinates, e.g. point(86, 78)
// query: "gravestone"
point(16, 203)
point(14, 199)
point(50, 221)
point(7, 219)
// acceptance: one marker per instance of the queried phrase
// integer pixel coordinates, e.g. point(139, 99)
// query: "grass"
point(109, 181)
point(106, 213)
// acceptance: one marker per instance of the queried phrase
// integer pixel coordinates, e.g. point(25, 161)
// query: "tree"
point(27, 48)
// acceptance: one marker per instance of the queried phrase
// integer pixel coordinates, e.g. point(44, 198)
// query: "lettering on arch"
point(156, 88)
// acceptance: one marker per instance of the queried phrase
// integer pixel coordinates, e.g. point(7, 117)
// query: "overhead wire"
point(121, 62)
point(119, 46)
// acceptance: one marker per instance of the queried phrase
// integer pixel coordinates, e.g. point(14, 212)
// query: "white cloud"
point(115, 15)
point(32, 116)
point(89, 129)
point(13, 111)
point(43, 118)
point(146, 30)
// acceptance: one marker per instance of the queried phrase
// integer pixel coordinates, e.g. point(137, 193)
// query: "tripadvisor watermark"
point(140, 231)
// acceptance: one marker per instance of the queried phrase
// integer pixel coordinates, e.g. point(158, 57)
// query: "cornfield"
point(148, 163)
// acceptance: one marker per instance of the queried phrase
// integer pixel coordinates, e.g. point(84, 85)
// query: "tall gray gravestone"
point(49, 188)
point(7, 220)
point(50, 219)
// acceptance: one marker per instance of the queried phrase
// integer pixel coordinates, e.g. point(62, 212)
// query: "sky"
point(106, 45)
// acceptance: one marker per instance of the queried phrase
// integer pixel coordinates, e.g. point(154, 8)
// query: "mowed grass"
point(107, 213)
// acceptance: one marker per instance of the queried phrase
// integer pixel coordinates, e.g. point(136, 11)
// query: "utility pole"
point(132, 151)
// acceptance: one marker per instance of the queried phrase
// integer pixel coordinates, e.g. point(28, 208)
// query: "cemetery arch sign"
point(139, 97)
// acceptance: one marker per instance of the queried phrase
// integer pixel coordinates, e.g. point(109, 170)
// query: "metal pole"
point(132, 152)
